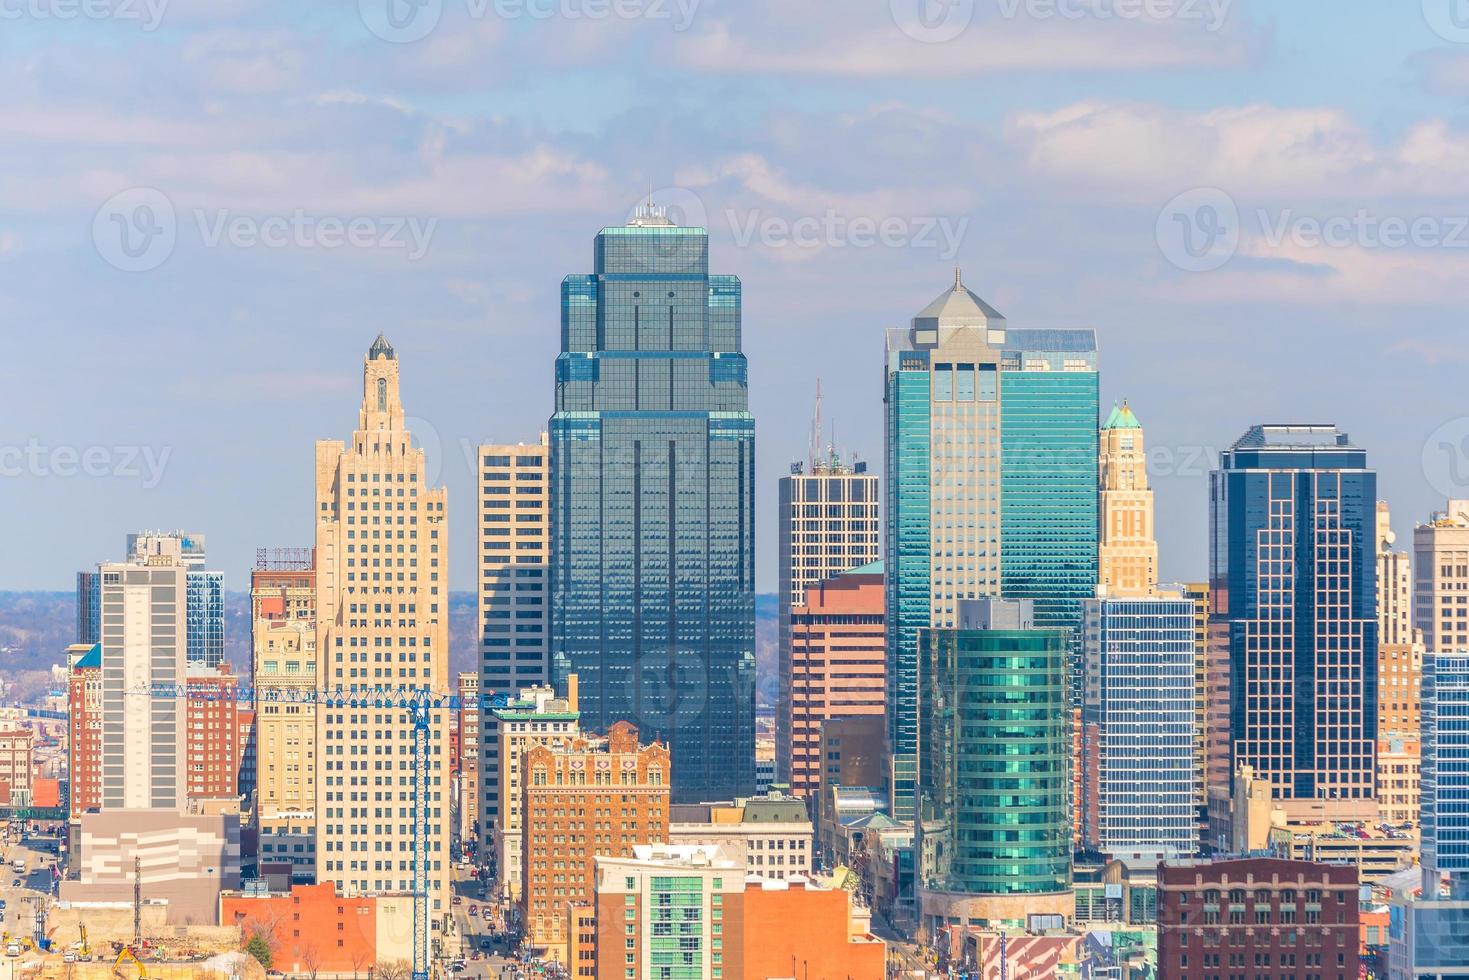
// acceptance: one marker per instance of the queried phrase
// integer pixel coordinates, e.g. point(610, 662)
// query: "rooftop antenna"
point(958, 279)
point(813, 447)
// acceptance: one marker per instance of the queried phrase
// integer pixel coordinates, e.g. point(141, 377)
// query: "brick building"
point(84, 732)
point(1265, 918)
point(215, 741)
point(580, 802)
point(16, 777)
point(314, 930)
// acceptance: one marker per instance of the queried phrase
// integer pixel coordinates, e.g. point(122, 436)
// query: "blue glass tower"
point(991, 451)
point(1293, 576)
point(652, 504)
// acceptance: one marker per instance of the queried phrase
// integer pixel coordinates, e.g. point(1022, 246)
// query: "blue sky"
point(320, 183)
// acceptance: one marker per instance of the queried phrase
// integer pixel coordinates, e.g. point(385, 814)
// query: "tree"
point(394, 970)
point(258, 947)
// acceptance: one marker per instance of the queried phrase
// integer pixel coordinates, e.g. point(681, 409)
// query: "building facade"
point(467, 794)
point(1293, 575)
point(144, 649)
point(1441, 579)
point(284, 666)
point(653, 503)
point(214, 751)
point(89, 607)
point(1445, 828)
point(991, 485)
point(382, 642)
point(1127, 550)
point(315, 930)
point(994, 828)
point(204, 605)
point(1139, 791)
point(1394, 585)
point(17, 777)
point(828, 524)
point(1265, 918)
point(536, 717)
point(771, 835)
point(513, 515)
point(578, 803)
point(84, 732)
point(837, 662)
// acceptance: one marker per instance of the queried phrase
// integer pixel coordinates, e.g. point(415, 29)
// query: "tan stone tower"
point(1127, 552)
point(382, 635)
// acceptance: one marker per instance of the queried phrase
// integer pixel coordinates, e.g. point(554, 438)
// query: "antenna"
point(813, 447)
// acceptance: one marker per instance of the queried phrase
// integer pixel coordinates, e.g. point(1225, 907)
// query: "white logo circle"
point(1198, 231)
point(932, 21)
point(401, 21)
point(1446, 459)
point(1449, 19)
point(135, 230)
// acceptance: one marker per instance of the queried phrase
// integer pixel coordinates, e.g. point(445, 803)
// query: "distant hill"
point(36, 627)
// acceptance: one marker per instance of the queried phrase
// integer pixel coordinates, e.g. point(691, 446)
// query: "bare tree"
point(309, 958)
point(394, 970)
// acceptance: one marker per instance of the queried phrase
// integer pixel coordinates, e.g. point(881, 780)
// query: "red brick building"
point(84, 732)
point(838, 664)
point(215, 742)
point(589, 799)
point(314, 930)
point(1265, 918)
point(16, 777)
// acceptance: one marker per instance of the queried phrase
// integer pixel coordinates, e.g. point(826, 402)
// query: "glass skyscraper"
point(1139, 803)
point(1293, 572)
point(652, 504)
point(991, 451)
point(994, 803)
point(205, 604)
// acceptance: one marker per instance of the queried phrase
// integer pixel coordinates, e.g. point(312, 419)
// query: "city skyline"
point(1287, 119)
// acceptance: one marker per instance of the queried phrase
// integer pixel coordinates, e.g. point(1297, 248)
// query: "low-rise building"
point(16, 774)
point(312, 930)
point(771, 834)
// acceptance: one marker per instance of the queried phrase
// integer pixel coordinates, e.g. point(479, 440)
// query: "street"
point(471, 932)
point(17, 917)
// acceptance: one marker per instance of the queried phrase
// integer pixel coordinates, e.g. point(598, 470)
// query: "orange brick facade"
point(805, 933)
point(838, 666)
point(214, 747)
point(84, 736)
point(310, 930)
point(578, 803)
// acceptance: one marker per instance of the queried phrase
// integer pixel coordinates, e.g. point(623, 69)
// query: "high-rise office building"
point(143, 670)
point(1394, 585)
point(1127, 551)
point(214, 748)
point(205, 612)
point(1139, 789)
point(838, 662)
point(1293, 573)
point(514, 548)
point(84, 731)
point(469, 757)
point(652, 503)
point(991, 486)
point(89, 607)
point(382, 625)
point(1399, 676)
point(1445, 796)
point(1198, 594)
point(284, 671)
point(828, 524)
point(1441, 579)
point(994, 823)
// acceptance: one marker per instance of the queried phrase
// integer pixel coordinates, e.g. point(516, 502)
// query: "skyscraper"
point(652, 503)
point(513, 529)
point(1127, 551)
point(1293, 574)
point(991, 488)
point(1394, 584)
point(1441, 579)
point(143, 670)
point(89, 607)
point(1445, 797)
point(828, 523)
point(205, 612)
point(382, 642)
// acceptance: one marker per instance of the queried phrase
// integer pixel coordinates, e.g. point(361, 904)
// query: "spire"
point(1121, 418)
point(381, 347)
point(958, 278)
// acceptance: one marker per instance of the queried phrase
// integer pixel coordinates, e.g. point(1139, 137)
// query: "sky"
point(209, 209)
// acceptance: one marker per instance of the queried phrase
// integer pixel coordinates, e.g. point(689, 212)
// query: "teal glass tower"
point(994, 802)
point(991, 455)
point(652, 504)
